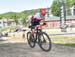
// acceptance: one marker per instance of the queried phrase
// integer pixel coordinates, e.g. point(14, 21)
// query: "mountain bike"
point(40, 37)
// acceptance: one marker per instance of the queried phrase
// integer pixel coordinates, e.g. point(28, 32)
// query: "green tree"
point(20, 15)
point(72, 2)
point(68, 4)
point(15, 19)
point(0, 17)
point(55, 8)
point(24, 22)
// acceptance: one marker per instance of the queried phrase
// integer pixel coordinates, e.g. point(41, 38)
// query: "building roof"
point(53, 18)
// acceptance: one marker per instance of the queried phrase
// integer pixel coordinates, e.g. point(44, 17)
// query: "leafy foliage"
point(22, 14)
point(55, 6)
point(14, 15)
point(73, 2)
point(15, 18)
point(24, 22)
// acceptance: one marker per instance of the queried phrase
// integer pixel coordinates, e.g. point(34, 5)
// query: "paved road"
point(23, 50)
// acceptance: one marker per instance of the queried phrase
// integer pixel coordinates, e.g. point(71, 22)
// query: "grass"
point(7, 28)
point(70, 44)
point(51, 28)
point(63, 39)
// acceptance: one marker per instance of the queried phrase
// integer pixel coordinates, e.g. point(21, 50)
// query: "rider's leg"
point(33, 34)
point(33, 31)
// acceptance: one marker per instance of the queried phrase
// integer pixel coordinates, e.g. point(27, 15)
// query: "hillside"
point(22, 14)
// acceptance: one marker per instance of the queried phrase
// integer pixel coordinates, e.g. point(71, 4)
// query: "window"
point(74, 11)
point(0, 22)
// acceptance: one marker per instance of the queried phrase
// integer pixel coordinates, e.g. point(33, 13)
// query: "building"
point(6, 22)
point(55, 21)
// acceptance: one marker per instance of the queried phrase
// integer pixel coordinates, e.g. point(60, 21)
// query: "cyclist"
point(35, 19)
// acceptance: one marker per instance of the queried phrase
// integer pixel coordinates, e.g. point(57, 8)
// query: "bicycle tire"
point(41, 42)
point(29, 39)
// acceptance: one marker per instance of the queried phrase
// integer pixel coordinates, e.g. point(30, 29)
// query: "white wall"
point(1, 23)
point(72, 10)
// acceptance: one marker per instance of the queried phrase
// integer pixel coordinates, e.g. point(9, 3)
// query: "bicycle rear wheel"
point(30, 40)
point(44, 42)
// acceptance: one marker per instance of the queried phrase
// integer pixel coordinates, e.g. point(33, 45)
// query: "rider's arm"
point(29, 21)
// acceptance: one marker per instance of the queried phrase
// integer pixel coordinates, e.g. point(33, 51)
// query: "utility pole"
point(62, 15)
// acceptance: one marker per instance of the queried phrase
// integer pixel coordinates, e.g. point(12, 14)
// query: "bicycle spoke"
point(45, 42)
point(30, 39)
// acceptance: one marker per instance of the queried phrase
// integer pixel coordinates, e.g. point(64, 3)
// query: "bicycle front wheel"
point(30, 40)
point(44, 42)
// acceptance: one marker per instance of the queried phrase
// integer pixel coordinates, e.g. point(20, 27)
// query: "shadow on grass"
point(12, 44)
point(66, 44)
point(1, 40)
point(70, 44)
